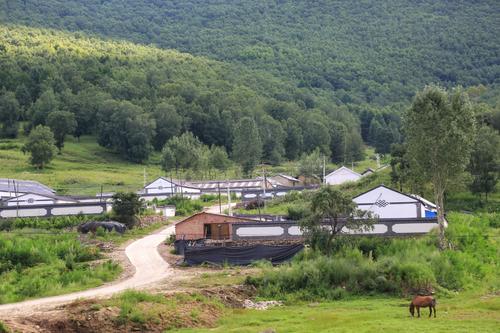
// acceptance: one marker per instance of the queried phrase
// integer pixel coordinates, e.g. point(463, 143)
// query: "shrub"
point(297, 212)
point(365, 265)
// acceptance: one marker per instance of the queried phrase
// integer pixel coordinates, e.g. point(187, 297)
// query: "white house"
point(387, 203)
point(284, 180)
point(342, 175)
point(30, 199)
point(163, 187)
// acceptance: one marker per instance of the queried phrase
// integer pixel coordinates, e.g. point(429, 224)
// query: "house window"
point(31, 200)
point(160, 187)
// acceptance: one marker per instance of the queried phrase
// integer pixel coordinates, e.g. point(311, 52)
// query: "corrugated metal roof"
point(24, 186)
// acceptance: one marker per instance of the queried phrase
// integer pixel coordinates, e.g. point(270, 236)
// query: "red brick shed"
point(207, 225)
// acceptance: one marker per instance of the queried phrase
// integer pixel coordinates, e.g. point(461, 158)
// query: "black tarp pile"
point(240, 255)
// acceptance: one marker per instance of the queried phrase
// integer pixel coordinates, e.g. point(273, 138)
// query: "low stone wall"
point(291, 230)
point(90, 208)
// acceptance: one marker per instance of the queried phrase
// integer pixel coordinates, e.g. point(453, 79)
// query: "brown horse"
point(423, 302)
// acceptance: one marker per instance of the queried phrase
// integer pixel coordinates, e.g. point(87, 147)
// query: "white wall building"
point(31, 199)
point(342, 175)
point(387, 203)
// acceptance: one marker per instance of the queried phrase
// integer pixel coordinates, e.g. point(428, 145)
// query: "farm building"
point(14, 187)
point(342, 175)
point(387, 203)
point(162, 187)
point(207, 225)
point(30, 199)
point(284, 180)
point(235, 185)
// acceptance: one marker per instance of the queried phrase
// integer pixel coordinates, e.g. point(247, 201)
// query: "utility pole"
point(264, 188)
point(230, 213)
point(324, 169)
point(144, 176)
point(17, 200)
point(220, 204)
point(378, 160)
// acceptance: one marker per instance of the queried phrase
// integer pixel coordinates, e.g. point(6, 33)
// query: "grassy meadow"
point(84, 166)
point(464, 313)
point(81, 168)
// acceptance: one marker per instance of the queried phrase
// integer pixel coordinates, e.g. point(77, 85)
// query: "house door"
point(217, 231)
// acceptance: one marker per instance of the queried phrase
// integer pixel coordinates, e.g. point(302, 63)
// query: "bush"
point(366, 265)
point(297, 213)
point(34, 263)
point(183, 205)
point(56, 222)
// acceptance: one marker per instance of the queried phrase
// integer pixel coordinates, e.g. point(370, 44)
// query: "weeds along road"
point(143, 255)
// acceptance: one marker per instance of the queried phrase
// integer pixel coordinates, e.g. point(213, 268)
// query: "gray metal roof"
point(24, 186)
point(231, 183)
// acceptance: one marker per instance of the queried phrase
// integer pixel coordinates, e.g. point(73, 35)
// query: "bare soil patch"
point(86, 316)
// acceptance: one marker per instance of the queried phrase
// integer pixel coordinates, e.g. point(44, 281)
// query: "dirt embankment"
point(88, 316)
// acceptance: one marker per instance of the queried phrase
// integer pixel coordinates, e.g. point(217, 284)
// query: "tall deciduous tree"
point(126, 207)
point(311, 165)
point(331, 210)
point(45, 104)
point(182, 152)
point(168, 124)
point(440, 129)
point(273, 138)
point(485, 161)
point(41, 146)
point(9, 114)
point(400, 167)
point(247, 146)
point(61, 123)
point(294, 139)
point(218, 158)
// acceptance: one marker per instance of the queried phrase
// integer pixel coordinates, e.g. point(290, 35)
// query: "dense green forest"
point(377, 52)
point(135, 98)
point(328, 75)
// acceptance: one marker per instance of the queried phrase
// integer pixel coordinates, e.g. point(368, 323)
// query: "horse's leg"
point(430, 311)
point(418, 310)
point(434, 307)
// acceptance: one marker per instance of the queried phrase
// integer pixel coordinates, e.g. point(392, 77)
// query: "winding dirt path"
point(143, 255)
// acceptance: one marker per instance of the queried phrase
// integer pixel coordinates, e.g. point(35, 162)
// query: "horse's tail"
point(434, 302)
point(412, 308)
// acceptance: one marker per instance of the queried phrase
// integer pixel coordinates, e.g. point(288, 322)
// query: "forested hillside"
point(135, 98)
point(377, 52)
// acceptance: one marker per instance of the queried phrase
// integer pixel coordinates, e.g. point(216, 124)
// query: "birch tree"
point(440, 130)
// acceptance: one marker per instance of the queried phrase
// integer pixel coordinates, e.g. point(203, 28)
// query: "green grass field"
point(457, 314)
point(83, 167)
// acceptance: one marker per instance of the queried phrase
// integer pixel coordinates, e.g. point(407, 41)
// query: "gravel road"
point(143, 255)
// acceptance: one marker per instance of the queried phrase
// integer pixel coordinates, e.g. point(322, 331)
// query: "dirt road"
point(143, 255)
point(215, 209)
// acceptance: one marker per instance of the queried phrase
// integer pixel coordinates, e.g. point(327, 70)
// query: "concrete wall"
point(249, 195)
point(291, 230)
point(53, 210)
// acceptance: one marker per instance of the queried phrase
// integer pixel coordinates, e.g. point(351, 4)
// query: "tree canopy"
point(440, 130)
point(41, 146)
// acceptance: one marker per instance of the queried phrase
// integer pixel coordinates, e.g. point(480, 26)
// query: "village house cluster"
point(398, 213)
